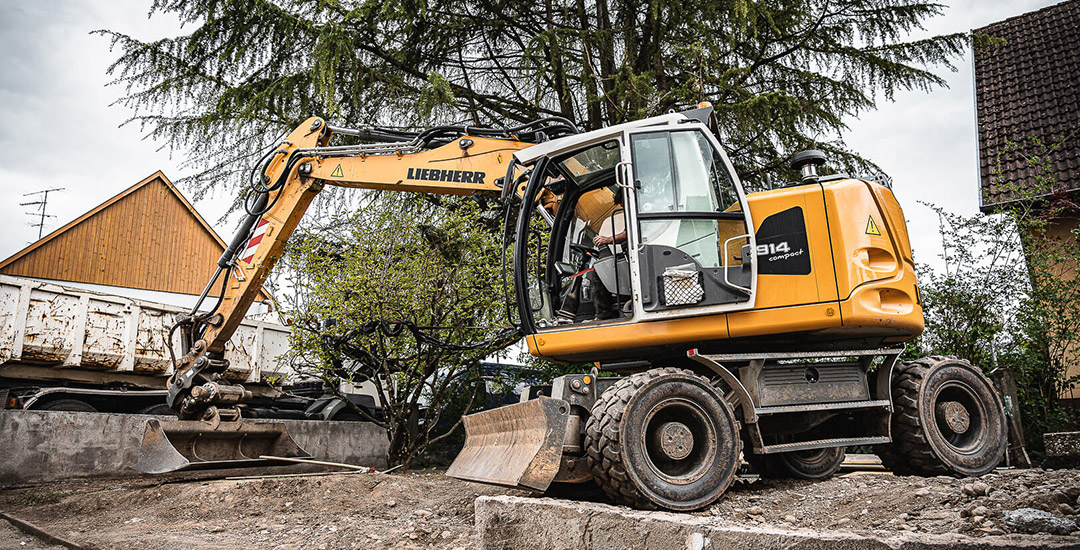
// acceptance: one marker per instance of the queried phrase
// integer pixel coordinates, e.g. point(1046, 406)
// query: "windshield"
point(598, 158)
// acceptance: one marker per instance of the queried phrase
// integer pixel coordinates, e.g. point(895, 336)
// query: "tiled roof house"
point(1027, 85)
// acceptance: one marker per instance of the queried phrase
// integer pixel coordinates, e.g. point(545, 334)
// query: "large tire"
point(931, 435)
point(75, 405)
point(816, 464)
point(663, 438)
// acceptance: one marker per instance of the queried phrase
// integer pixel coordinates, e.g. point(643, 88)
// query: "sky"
point(59, 127)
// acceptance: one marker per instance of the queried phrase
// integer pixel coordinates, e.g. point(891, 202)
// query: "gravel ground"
point(12, 538)
point(881, 502)
point(427, 510)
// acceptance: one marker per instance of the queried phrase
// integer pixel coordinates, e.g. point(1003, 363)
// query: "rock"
point(1030, 520)
point(977, 519)
point(755, 511)
point(922, 492)
point(790, 518)
point(904, 516)
point(391, 503)
point(1066, 509)
point(843, 521)
point(979, 511)
point(445, 534)
point(976, 489)
point(422, 513)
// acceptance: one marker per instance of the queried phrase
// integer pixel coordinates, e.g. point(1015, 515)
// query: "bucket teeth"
point(516, 446)
point(189, 445)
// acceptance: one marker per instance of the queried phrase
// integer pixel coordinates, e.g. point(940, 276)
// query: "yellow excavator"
point(766, 325)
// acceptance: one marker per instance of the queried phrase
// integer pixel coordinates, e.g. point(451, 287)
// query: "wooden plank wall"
point(147, 240)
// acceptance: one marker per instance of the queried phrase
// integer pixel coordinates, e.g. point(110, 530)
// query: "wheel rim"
point(960, 417)
point(679, 441)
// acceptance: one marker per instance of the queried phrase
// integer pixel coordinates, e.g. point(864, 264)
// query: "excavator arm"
point(451, 161)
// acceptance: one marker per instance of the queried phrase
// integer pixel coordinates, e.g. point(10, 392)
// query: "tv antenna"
point(40, 214)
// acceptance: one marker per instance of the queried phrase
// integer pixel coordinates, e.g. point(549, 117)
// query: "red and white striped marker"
point(253, 244)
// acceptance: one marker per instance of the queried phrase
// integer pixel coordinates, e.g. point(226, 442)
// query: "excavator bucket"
point(517, 446)
point(192, 444)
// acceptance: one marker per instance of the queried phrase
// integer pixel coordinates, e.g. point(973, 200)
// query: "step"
point(822, 444)
point(843, 405)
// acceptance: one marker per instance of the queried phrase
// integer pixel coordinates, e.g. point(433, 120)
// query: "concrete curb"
point(505, 522)
point(34, 530)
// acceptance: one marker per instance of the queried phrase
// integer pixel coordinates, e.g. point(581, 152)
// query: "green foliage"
point(397, 295)
point(38, 497)
point(1009, 294)
point(782, 75)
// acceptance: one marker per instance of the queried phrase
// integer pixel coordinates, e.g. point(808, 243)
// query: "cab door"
point(690, 225)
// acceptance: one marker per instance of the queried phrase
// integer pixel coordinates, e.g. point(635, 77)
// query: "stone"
point(979, 511)
point(1066, 509)
point(1030, 520)
point(976, 489)
point(790, 519)
point(445, 534)
point(755, 511)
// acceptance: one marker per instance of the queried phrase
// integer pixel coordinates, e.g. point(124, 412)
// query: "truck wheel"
point(663, 438)
point(815, 464)
point(947, 420)
point(67, 405)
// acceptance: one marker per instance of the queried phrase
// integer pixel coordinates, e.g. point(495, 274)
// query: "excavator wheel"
point(947, 420)
point(815, 464)
point(663, 438)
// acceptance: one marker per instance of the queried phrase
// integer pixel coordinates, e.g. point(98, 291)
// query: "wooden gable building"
point(148, 242)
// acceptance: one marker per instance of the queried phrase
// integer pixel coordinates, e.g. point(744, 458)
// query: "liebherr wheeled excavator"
point(766, 324)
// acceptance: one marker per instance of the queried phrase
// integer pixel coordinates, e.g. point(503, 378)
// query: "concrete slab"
point(1062, 450)
point(509, 522)
point(41, 446)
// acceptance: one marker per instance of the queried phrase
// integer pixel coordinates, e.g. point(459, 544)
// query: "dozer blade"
point(191, 444)
point(516, 446)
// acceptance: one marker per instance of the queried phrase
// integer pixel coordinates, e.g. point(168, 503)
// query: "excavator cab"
point(669, 214)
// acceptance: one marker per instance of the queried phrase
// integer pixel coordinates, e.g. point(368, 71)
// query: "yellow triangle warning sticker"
point(871, 227)
point(337, 173)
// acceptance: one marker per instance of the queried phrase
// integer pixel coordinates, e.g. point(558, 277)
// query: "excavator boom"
point(444, 160)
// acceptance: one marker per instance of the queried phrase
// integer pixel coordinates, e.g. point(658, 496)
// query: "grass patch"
point(37, 497)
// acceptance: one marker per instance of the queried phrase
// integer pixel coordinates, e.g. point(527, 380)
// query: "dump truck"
point(68, 349)
point(768, 324)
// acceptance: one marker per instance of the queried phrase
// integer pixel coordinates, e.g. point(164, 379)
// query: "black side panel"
point(656, 258)
point(782, 248)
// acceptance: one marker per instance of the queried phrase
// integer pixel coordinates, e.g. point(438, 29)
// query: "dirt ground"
point(427, 510)
point(12, 538)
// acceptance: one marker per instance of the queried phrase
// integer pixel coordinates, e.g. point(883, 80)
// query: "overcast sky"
point(58, 129)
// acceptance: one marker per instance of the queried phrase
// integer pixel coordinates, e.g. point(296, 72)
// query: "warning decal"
point(337, 173)
point(871, 227)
